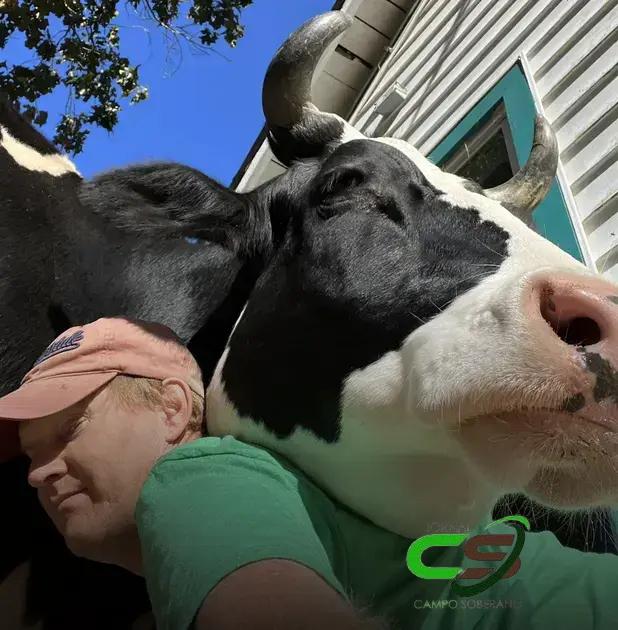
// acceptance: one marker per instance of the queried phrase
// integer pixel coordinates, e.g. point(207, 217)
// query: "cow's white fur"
point(398, 460)
point(28, 157)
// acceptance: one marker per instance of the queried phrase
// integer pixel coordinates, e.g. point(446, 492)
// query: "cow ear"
point(165, 196)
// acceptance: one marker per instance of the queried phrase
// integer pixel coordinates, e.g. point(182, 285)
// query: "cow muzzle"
point(557, 440)
point(574, 322)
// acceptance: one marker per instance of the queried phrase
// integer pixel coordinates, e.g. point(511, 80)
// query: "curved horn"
point(290, 115)
point(529, 186)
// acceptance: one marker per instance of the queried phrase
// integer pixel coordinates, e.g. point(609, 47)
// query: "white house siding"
point(452, 52)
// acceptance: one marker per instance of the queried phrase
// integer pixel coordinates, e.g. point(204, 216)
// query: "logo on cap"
point(64, 344)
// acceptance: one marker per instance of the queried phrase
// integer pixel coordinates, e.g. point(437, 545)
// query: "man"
point(229, 535)
point(99, 407)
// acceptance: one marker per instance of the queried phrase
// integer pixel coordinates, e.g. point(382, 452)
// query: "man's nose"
point(44, 471)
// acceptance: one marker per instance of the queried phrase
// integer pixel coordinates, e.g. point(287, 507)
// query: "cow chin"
point(574, 489)
point(560, 459)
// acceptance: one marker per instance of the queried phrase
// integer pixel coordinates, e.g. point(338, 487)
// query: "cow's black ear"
point(159, 196)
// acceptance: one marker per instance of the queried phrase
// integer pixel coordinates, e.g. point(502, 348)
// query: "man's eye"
point(73, 429)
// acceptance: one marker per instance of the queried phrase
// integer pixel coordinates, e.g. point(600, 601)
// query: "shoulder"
point(226, 447)
point(225, 459)
point(232, 475)
point(216, 505)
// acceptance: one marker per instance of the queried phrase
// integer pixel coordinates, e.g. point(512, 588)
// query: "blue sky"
point(203, 110)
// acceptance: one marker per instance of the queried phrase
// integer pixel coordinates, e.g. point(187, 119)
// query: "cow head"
point(414, 345)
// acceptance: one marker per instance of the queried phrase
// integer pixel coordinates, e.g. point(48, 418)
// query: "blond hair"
point(133, 391)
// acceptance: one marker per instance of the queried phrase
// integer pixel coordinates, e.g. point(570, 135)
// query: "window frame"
point(551, 218)
point(475, 142)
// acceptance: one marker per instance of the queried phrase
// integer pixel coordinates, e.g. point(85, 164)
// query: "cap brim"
point(43, 398)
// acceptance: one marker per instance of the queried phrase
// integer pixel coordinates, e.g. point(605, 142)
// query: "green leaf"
point(83, 56)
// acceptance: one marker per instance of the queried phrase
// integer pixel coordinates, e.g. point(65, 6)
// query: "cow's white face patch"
point(26, 156)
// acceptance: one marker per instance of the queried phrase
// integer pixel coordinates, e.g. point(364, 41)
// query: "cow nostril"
point(581, 331)
point(576, 331)
point(572, 328)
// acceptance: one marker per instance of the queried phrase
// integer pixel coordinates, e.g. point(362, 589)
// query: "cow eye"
point(340, 181)
point(335, 188)
point(205, 236)
point(391, 211)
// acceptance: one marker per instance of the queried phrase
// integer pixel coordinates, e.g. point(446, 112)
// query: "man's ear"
point(177, 405)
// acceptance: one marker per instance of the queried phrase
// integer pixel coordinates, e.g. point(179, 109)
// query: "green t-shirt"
point(213, 505)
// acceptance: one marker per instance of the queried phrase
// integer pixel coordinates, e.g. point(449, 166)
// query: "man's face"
point(88, 464)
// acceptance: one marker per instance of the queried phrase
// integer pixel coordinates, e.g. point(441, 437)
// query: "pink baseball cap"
point(83, 359)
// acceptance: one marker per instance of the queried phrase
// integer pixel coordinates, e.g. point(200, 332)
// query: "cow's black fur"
point(162, 242)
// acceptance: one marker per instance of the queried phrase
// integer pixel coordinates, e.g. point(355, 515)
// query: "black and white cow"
point(390, 316)
point(413, 345)
point(162, 242)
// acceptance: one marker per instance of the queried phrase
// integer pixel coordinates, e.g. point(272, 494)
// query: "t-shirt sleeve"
point(201, 518)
